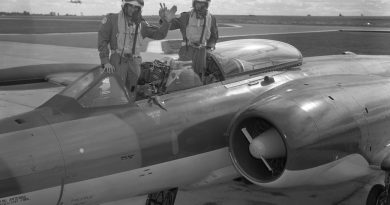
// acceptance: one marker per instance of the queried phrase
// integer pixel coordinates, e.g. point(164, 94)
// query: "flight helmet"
point(206, 1)
point(139, 3)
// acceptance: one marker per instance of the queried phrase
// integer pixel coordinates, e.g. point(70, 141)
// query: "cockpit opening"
point(166, 76)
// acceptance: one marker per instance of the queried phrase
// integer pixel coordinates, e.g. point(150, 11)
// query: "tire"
point(375, 194)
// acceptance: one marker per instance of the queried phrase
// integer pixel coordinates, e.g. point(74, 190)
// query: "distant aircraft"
point(262, 112)
point(75, 1)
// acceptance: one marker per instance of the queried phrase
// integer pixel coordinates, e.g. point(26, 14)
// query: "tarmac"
point(13, 54)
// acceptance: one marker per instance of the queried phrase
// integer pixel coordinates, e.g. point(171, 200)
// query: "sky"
point(237, 7)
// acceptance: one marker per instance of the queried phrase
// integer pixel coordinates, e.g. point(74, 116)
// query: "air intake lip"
point(261, 158)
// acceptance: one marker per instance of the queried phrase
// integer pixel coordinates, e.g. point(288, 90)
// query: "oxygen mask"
point(200, 9)
point(134, 12)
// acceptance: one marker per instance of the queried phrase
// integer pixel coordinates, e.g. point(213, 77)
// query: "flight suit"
point(127, 64)
point(202, 36)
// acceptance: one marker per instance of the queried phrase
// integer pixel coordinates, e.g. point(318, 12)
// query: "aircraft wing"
point(24, 88)
point(14, 100)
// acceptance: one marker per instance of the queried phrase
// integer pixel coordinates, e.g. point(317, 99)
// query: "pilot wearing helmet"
point(120, 39)
point(200, 33)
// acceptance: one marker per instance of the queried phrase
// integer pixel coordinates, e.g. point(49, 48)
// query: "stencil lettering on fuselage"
point(82, 200)
point(14, 200)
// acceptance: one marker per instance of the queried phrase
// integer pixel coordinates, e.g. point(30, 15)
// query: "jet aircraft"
point(262, 112)
point(75, 1)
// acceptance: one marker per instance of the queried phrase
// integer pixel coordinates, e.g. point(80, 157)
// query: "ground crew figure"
point(200, 33)
point(122, 33)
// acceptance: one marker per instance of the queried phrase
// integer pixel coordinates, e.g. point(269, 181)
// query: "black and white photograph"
point(194, 102)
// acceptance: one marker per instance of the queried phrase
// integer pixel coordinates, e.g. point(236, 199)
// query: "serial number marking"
point(127, 157)
point(82, 200)
point(14, 200)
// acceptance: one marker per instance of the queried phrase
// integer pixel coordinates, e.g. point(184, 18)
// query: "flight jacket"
point(107, 34)
point(181, 23)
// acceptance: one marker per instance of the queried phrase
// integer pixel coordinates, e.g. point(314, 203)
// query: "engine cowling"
point(312, 136)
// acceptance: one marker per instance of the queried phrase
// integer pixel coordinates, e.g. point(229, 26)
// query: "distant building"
point(52, 13)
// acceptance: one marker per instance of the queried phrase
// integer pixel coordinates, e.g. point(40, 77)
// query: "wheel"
point(376, 195)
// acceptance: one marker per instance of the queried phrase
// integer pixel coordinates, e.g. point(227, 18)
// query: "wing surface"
point(27, 87)
point(17, 99)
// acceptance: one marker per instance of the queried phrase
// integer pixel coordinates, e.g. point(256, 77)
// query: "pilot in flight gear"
point(200, 33)
point(121, 34)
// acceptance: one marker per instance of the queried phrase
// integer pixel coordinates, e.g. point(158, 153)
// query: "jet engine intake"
point(258, 149)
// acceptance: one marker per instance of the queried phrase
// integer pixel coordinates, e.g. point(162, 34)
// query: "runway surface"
point(310, 40)
point(25, 49)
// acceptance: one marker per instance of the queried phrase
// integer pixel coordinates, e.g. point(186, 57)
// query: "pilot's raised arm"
point(120, 40)
point(200, 33)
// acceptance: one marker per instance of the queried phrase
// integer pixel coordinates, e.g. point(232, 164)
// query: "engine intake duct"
point(258, 150)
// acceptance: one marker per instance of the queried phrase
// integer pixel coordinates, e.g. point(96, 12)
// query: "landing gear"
point(166, 197)
point(379, 194)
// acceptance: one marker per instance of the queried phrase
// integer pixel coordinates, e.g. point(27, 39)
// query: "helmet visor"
point(138, 3)
point(202, 3)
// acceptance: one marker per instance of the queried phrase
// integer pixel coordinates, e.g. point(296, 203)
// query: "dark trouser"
point(198, 57)
point(128, 69)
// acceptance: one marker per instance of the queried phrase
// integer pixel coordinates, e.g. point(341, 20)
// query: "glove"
point(167, 14)
point(210, 48)
point(108, 68)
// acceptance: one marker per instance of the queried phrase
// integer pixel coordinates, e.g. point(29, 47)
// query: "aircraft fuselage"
point(62, 153)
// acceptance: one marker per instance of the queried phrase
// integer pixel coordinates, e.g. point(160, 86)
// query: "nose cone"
point(268, 144)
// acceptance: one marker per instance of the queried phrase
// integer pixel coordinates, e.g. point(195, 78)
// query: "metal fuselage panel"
point(30, 160)
point(107, 142)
